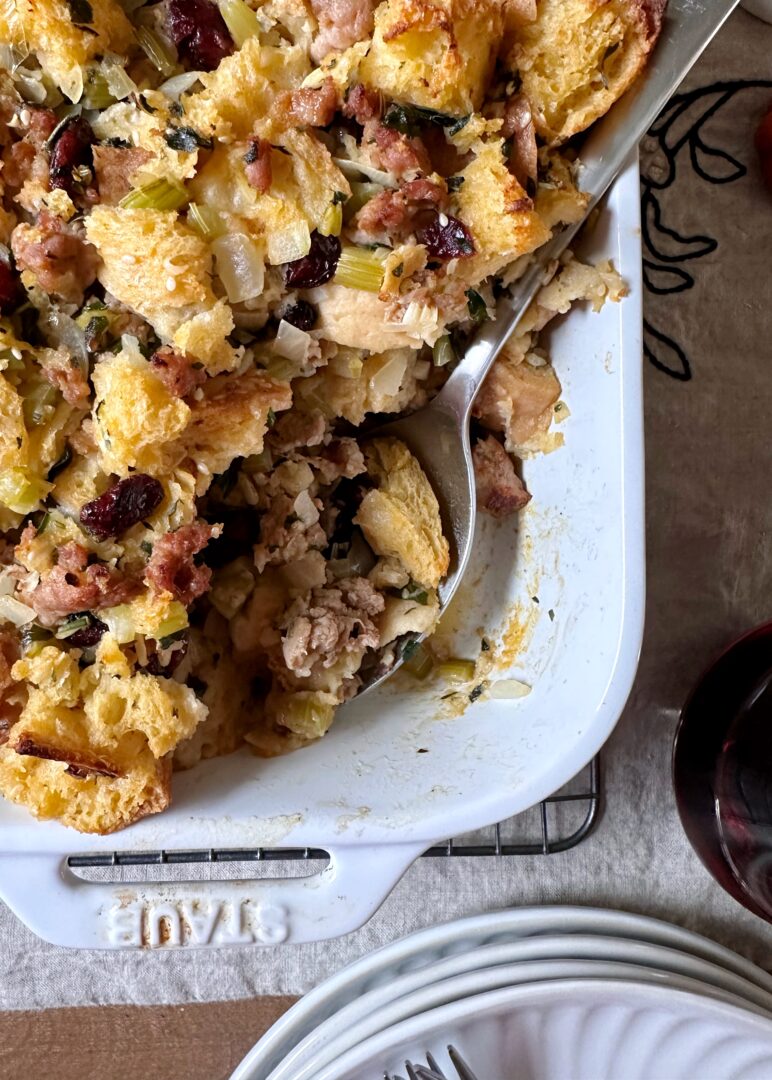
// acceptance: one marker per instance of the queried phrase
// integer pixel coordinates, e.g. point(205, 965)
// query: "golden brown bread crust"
point(606, 43)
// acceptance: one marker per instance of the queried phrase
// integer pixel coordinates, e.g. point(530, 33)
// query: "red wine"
point(728, 703)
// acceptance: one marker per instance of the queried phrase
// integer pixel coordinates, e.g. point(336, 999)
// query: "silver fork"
point(432, 1071)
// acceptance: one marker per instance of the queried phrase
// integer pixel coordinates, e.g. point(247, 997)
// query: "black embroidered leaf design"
point(665, 354)
point(678, 127)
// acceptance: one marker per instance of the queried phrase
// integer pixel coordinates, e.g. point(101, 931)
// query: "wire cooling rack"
point(557, 824)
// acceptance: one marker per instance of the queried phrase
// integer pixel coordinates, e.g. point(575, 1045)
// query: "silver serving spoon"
point(438, 434)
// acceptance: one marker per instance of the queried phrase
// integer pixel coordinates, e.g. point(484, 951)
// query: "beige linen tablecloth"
point(709, 465)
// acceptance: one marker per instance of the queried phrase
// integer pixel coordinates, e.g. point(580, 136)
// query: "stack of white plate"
point(554, 993)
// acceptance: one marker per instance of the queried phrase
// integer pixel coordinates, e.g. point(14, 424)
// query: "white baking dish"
point(364, 793)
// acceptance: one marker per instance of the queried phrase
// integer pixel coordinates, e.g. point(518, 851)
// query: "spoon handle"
point(689, 27)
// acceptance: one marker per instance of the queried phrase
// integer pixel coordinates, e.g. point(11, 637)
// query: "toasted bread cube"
point(497, 211)
point(438, 54)
point(232, 418)
point(83, 798)
point(579, 56)
point(151, 261)
point(243, 87)
point(305, 181)
point(135, 416)
point(401, 516)
point(14, 442)
point(61, 46)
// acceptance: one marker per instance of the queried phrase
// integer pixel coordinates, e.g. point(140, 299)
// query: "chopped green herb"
point(271, 418)
point(459, 125)
point(407, 119)
point(95, 327)
point(535, 599)
point(476, 692)
point(339, 197)
point(415, 592)
point(186, 139)
point(71, 625)
point(455, 182)
point(58, 466)
point(147, 547)
point(44, 522)
point(476, 305)
point(166, 642)
point(551, 614)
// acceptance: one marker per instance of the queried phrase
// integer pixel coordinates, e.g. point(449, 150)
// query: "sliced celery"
point(205, 221)
point(176, 620)
point(420, 662)
point(443, 351)
point(359, 269)
point(160, 195)
point(22, 491)
point(457, 671)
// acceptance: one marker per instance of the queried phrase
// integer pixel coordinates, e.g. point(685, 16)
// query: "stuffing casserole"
point(232, 233)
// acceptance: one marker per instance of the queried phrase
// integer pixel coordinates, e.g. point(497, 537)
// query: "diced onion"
point(156, 51)
point(420, 321)
point(240, 19)
point(359, 168)
point(508, 689)
point(288, 244)
point(332, 222)
point(119, 83)
point(120, 623)
point(61, 329)
point(388, 379)
point(178, 85)
point(12, 610)
point(282, 369)
point(348, 364)
point(293, 343)
point(240, 266)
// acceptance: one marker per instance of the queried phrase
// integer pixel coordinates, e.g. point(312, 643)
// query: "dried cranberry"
point(301, 314)
point(121, 506)
point(317, 267)
point(89, 636)
point(72, 148)
point(197, 29)
point(9, 288)
point(154, 666)
point(446, 238)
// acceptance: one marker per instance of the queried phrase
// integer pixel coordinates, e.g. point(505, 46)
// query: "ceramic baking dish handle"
point(64, 909)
